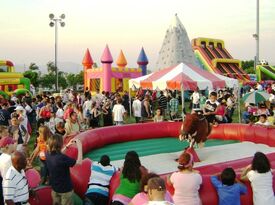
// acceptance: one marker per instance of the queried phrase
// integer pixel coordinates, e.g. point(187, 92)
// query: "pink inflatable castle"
point(110, 79)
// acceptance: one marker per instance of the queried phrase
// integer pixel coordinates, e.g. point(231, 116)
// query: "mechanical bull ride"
point(194, 129)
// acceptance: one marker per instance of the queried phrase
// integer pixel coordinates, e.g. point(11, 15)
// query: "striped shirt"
point(100, 179)
point(15, 186)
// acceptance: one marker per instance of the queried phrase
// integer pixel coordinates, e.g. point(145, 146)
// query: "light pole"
point(257, 34)
point(54, 23)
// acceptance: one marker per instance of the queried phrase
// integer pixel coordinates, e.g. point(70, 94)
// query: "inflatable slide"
point(213, 57)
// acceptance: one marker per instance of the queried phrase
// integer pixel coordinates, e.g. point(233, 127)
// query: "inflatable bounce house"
point(10, 81)
point(265, 72)
point(213, 56)
point(108, 78)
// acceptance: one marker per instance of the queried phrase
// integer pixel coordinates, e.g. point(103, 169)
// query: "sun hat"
point(19, 107)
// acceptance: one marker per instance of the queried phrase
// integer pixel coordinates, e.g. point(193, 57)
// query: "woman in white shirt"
point(260, 176)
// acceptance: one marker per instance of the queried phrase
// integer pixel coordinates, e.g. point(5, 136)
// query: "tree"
point(48, 80)
point(51, 67)
point(33, 67)
point(32, 74)
point(72, 80)
point(248, 66)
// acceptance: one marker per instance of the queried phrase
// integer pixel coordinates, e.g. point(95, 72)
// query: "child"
point(156, 192)
point(40, 150)
point(210, 107)
point(158, 117)
point(7, 148)
point(98, 187)
point(260, 176)
point(228, 190)
point(58, 165)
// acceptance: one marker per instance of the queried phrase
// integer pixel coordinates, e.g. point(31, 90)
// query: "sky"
point(26, 36)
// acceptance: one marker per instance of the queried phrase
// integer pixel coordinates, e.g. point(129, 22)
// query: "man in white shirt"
point(15, 185)
point(119, 112)
point(7, 148)
point(137, 109)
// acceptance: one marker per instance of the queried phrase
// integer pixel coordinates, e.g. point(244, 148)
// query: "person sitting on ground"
point(186, 181)
point(263, 121)
point(40, 150)
point(99, 184)
point(156, 192)
point(260, 176)
point(15, 185)
point(229, 188)
point(142, 198)
point(158, 117)
point(7, 146)
point(58, 165)
point(129, 179)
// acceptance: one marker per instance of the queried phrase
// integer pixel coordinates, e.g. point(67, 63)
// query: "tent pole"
point(182, 101)
point(239, 104)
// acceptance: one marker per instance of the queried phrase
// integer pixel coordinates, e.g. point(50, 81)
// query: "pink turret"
point(107, 60)
point(121, 60)
point(87, 63)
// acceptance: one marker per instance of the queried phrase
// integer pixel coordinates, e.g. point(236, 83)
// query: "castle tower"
point(176, 46)
point(107, 60)
point(121, 60)
point(87, 63)
point(142, 61)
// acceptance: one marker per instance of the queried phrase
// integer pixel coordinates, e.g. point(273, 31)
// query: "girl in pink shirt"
point(186, 182)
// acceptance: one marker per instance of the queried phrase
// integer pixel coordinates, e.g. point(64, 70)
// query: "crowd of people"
point(47, 120)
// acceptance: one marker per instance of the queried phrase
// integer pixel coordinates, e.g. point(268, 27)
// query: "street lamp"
point(54, 23)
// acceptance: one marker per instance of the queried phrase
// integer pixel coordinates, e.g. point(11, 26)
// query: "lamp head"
point(62, 16)
point(62, 24)
point(51, 16)
point(51, 24)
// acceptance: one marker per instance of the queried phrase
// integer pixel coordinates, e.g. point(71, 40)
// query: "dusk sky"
point(26, 37)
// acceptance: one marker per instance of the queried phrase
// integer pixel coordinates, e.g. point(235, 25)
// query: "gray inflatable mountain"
point(176, 47)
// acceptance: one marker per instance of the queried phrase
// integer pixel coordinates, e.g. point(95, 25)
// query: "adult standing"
point(146, 111)
point(119, 112)
point(162, 100)
point(4, 115)
point(15, 185)
point(107, 113)
point(174, 107)
point(7, 148)
point(137, 108)
point(58, 165)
